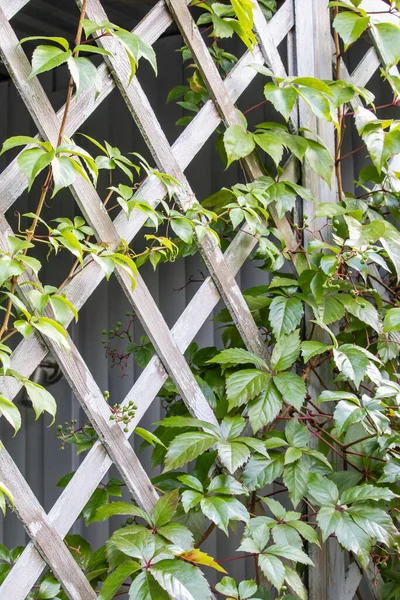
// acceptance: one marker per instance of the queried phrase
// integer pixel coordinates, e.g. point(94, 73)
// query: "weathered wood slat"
point(30, 352)
point(92, 208)
point(152, 132)
point(43, 533)
point(12, 184)
point(226, 108)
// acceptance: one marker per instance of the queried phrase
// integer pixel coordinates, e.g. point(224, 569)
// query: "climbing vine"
point(315, 420)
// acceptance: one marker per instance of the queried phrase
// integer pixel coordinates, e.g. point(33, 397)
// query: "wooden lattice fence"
point(305, 24)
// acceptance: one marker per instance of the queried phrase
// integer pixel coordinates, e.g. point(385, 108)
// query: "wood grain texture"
point(30, 352)
point(45, 537)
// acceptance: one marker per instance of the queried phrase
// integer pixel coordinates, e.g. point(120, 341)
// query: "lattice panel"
point(48, 530)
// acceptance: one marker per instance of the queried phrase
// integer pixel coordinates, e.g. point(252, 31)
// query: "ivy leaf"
point(283, 98)
point(84, 74)
point(187, 447)
point(114, 581)
point(352, 362)
point(227, 586)
point(295, 477)
point(346, 413)
point(41, 399)
point(237, 356)
point(323, 491)
point(46, 58)
point(289, 553)
point(271, 144)
point(292, 387)
point(264, 409)
point(366, 492)
point(320, 160)
point(350, 26)
point(145, 587)
point(10, 412)
point(286, 351)
point(180, 579)
point(183, 230)
point(389, 34)
point(51, 329)
point(392, 320)
point(273, 569)
point(48, 589)
point(232, 455)
point(165, 508)
point(261, 471)
point(64, 173)
point(285, 315)
point(120, 508)
point(238, 143)
point(244, 385)
point(310, 349)
point(221, 510)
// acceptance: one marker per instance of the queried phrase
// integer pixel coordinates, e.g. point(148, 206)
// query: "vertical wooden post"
point(314, 59)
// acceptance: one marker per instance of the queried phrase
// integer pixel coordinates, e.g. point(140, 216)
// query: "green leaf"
point(52, 330)
point(186, 447)
point(350, 26)
point(273, 569)
point(32, 161)
point(290, 553)
point(392, 320)
point(10, 412)
point(232, 455)
point(320, 160)
point(21, 140)
point(323, 491)
point(49, 588)
point(114, 581)
point(286, 351)
point(183, 229)
point(119, 508)
point(295, 477)
point(264, 409)
point(227, 586)
point(283, 98)
point(181, 580)
point(297, 434)
point(366, 492)
point(64, 173)
point(261, 471)
point(145, 587)
point(221, 510)
point(285, 315)
point(311, 349)
point(238, 143)
point(245, 385)
point(346, 413)
point(292, 387)
point(59, 40)
point(84, 74)
point(270, 143)
point(41, 399)
point(352, 362)
point(389, 34)
point(305, 530)
point(46, 58)
point(165, 508)
point(237, 356)
point(149, 437)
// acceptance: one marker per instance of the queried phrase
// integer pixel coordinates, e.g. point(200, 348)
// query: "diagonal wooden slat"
point(226, 108)
point(48, 542)
point(152, 132)
point(95, 213)
point(30, 352)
